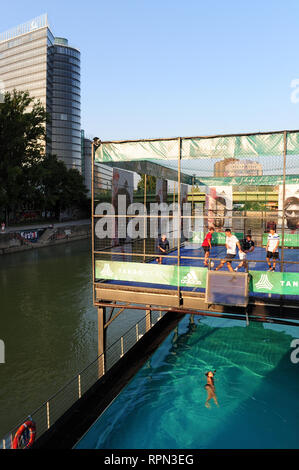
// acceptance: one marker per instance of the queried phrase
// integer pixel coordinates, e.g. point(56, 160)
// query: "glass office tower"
point(32, 59)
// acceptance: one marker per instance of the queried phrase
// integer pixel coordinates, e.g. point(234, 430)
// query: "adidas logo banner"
point(275, 283)
point(151, 273)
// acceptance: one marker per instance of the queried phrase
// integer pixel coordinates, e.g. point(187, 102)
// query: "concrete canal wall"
point(23, 239)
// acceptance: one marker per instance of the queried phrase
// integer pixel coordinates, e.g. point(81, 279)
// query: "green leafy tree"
point(22, 145)
point(150, 184)
point(60, 188)
point(30, 179)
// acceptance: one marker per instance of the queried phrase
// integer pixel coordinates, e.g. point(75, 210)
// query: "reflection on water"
point(48, 324)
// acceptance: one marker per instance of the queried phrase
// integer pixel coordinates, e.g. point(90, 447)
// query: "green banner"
point(218, 238)
point(151, 273)
point(290, 239)
point(246, 180)
point(241, 146)
point(260, 281)
point(274, 283)
point(197, 237)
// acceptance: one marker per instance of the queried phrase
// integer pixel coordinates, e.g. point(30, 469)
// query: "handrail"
point(77, 380)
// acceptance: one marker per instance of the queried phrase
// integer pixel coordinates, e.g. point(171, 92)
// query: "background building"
point(102, 173)
point(230, 167)
point(33, 60)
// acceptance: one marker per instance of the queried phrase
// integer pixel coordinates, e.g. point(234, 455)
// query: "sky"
point(169, 68)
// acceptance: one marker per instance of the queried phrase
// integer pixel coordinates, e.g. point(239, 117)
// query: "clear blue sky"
point(165, 68)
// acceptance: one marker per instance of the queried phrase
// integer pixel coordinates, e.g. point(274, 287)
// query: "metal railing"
point(50, 411)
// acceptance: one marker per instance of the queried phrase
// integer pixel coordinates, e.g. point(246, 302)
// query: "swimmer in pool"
point(210, 388)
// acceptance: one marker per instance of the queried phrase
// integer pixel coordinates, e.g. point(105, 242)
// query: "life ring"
point(25, 436)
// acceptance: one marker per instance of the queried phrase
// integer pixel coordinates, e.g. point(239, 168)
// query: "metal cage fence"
point(245, 182)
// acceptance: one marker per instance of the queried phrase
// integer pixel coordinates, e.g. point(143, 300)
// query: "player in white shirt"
point(272, 249)
point(231, 244)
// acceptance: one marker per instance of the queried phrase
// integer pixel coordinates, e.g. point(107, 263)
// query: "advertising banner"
point(218, 238)
point(290, 206)
point(264, 180)
point(290, 239)
point(218, 207)
point(261, 281)
point(197, 147)
point(151, 273)
point(274, 282)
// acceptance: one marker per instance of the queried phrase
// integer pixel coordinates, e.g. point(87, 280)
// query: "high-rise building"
point(33, 60)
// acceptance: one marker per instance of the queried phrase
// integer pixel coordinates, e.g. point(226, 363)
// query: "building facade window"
point(33, 60)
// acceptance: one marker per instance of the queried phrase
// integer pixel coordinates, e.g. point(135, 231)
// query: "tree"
point(60, 188)
point(30, 178)
point(150, 184)
point(22, 145)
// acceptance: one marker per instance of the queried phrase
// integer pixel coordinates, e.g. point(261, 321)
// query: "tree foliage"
point(22, 141)
point(150, 184)
point(30, 179)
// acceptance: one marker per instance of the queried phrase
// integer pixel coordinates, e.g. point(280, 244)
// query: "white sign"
point(218, 207)
point(290, 206)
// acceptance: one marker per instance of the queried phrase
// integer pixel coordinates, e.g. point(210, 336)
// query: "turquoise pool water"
point(163, 407)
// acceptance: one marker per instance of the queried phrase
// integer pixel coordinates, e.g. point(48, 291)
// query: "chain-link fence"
point(45, 416)
point(182, 188)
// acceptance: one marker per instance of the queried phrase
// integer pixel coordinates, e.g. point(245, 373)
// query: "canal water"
point(48, 324)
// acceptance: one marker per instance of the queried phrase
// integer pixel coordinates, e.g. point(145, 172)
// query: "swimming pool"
point(163, 407)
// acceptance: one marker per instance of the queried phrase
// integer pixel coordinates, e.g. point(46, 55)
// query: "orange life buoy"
point(21, 439)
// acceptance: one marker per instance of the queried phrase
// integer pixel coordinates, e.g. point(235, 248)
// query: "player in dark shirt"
point(247, 246)
point(162, 248)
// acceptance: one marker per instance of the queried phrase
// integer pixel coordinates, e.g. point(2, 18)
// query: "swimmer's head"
point(210, 373)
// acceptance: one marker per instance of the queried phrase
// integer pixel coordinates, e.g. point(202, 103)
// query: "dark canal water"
point(48, 325)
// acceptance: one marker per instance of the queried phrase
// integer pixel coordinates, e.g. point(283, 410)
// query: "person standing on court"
point(231, 244)
point(162, 248)
point(207, 245)
point(247, 245)
point(272, 249)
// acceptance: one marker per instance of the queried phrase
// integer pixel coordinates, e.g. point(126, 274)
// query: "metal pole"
point(92, 220)
point(179, 214)
point(79, 386)
point(283, 198)
point(145, 213)
point(192, 206)
point(121, 346)
point(101, 342)
point(48, 415)
point(148, 319)
point(173, 235)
